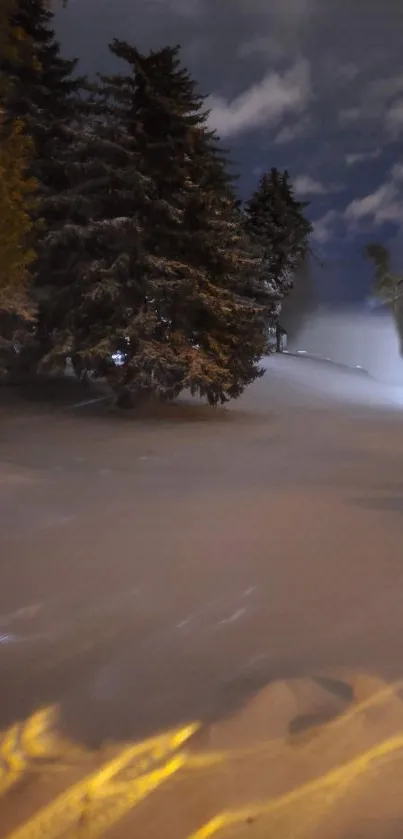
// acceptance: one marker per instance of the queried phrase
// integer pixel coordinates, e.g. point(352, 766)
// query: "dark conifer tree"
point(209, 329)
point(93, 254)
point(17, 194)
point(43, 90)
point(43, 95)
point(276, 222)
point(147, 257)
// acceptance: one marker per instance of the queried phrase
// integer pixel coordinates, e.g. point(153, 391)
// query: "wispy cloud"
point(377, 101)
point(293, 131)
point(323, 228)
point(361, 157)
point(264, 103)
point(376, 204)
point(384, 204)
point(306, 185)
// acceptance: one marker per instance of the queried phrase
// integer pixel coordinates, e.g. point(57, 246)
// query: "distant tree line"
point(123, 245)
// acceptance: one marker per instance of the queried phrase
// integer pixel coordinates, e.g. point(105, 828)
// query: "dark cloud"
point(314, 85)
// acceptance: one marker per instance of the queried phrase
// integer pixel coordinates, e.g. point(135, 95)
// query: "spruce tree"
point(148, 258)
point(93, 255)
point(42, 90)
point(42, 95)
point(276, 222)
point(17, 197)
point(208, 330)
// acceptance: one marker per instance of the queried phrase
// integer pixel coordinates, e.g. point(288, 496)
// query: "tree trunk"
point(124, 399)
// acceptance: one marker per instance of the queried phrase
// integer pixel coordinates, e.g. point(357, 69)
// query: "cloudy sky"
point(315, 86)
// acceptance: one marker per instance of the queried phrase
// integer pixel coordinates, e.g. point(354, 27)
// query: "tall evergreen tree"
point(151, 256)
point(276, 222)
point(43, 89)
point(42, 95)
point(93, 254)
point(17, 192)
point(209, 324)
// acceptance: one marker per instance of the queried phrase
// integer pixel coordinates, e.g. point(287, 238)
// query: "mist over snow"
point(356, 339)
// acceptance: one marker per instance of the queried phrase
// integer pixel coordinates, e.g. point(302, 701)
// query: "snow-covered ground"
point(366, 340)
point(313, 378)
point(159, 569)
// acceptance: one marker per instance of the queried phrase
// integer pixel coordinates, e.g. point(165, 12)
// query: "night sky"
point(315, 86)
